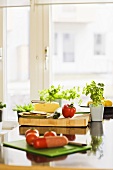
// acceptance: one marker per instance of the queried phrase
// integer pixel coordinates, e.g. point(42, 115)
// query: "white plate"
point(38, 112)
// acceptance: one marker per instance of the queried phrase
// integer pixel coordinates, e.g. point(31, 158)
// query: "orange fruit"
point(108, 102)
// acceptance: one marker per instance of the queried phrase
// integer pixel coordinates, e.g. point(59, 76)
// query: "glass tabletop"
point(97, 134)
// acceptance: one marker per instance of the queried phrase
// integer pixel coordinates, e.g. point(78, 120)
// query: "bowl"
point(108, 112)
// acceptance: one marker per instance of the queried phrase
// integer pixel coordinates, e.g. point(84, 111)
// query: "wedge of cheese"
point(46, 107)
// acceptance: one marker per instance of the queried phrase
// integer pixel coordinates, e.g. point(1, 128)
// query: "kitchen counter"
point(101, 157)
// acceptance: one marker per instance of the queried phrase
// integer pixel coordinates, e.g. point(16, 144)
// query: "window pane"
point(68, 48)
point(85, 53)
point(18, 84)
point(55, 43)
point(99, 44)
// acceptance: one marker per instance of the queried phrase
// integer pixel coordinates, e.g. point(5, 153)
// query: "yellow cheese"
point(46, 107)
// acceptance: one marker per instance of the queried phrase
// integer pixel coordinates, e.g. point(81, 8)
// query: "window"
point(79, 37)
point(17, 57)
point(75, 62)
point(93, 51)
point(99, 44)
point(68, 48)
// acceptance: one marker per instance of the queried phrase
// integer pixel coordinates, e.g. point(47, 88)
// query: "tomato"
point(31, 130)
point(68, 110)
point(50, 133)
point(31, 137)
point(70, 137)
point(40, 143)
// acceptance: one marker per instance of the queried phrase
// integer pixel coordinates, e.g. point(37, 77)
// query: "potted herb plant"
point(51, 94)
point(2, 105)
point(95, 91)
point(58, 93)
point(71, 94)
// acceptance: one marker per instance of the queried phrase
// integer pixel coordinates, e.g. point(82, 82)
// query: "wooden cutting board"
point(58, 130)
point(79, 120)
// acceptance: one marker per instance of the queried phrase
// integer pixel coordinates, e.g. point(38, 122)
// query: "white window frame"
point(39, 40)
point(39, 64)
point(2, 60)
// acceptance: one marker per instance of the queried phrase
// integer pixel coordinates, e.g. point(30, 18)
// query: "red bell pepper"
point(68, 110)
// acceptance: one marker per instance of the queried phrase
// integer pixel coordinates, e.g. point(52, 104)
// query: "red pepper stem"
point(71, 105)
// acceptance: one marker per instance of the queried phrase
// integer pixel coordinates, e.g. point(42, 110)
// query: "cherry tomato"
point(70, 137)
point(31, 130)
point(50, 133)
point(31, 137)
point(68, 110)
